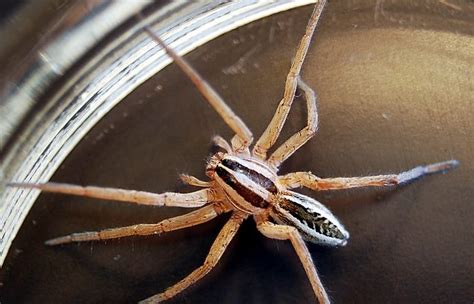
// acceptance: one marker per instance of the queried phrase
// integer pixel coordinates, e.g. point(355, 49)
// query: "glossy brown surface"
point(395, 91)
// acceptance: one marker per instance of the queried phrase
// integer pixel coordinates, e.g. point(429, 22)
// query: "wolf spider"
point(246, 183)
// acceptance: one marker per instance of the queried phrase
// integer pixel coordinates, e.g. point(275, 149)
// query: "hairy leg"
point(244, 136)
point(282, 232)
point(190, 219)
point(217, 250)
point(309, 180)
point(297, 140)
point(271, 133)
point(167, 199)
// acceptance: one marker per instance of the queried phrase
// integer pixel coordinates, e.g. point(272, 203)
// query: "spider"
point(246, 183)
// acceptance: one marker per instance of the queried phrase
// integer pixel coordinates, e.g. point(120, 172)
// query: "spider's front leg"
point(311, 181)
point(244, 137)
point(194, 218)
point(217, 250)
point(282, 232)
point(292, 144)
point(271, 133)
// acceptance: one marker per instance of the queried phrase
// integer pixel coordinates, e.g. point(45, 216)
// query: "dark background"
point(395, 90)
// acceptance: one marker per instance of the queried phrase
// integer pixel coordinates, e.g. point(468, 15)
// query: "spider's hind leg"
point(282, 232)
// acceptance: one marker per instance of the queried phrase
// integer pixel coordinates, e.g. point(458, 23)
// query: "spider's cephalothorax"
point(246, 183)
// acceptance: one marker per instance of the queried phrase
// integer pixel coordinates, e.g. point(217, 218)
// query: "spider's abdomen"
point(248, 184)
point(314, 221)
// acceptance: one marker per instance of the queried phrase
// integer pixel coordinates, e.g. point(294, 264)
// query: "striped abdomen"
point(248, 184)
point(314, 221)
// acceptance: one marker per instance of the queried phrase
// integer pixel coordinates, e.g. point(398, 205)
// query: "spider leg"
point(190, 219)
point(271, 133)
point(243, 137)
point(167, 199)
point(300, 138)
point(217, 250)
point(308, 180)
point(194, 181)
point(282, 232)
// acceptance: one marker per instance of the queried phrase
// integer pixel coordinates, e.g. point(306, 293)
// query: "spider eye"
point(314, 221)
